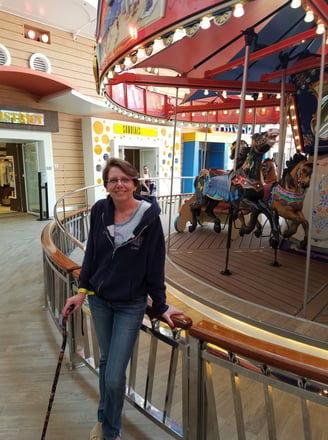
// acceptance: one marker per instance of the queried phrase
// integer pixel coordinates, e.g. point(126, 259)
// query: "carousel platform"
point(242, 282)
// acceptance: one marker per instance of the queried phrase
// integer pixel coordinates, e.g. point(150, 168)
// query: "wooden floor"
point(29, 342)
point(29, 347)
point(198, 263)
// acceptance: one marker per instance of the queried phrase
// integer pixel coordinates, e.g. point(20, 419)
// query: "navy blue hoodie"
point(132, 271)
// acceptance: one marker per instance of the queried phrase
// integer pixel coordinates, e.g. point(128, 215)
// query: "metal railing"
point(200, 381)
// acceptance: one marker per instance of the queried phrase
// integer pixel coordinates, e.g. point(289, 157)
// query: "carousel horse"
point(244, 189)
point(211, 207)
point(288, 195)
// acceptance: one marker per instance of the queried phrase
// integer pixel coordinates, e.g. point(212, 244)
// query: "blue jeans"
point(117, 326)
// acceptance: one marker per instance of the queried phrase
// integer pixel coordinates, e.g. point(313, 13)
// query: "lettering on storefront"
point(23, 118)
point(248, 129)
point(135, 130)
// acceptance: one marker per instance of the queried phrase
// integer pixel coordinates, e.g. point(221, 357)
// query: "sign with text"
point(136, 130)
point(18, 117)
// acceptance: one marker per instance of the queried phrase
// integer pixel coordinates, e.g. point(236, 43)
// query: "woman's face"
point(120, 186)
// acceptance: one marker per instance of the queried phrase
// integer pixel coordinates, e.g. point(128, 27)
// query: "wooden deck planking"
point(253, 277)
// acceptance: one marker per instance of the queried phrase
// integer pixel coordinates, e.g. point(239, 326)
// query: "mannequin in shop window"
point(6, 181)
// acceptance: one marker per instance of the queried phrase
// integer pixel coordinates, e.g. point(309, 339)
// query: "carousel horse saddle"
point(218, 188)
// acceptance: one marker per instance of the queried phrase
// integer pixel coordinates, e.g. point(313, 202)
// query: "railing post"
point(195, 427)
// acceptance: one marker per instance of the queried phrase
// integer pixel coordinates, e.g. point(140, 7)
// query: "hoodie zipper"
point(123, 244)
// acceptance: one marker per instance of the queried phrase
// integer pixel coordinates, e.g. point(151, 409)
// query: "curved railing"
point(201, 380)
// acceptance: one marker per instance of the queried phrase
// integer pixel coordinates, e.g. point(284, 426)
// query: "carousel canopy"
point(188, 59)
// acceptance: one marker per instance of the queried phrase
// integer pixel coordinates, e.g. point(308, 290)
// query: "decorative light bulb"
point(179, 34)
point(158, 45)
point(309, 16)
point(205, 23)
point(296, 4)
point(320, 29)
point(238, 10)
point(127, 61)
point(141, 53)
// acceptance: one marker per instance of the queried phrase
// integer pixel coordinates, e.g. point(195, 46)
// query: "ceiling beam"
point(262, 53)
point(196, 83)
point(232, 104)
point(300, 66)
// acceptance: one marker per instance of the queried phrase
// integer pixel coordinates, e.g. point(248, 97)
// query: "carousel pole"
point(172, 167)
point(205, 146)
point(249, 36)
point(315, 159)
point(282, 122)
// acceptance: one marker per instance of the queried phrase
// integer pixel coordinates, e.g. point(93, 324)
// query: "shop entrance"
point(30, 156)
point(23, 180)
point(140, 157)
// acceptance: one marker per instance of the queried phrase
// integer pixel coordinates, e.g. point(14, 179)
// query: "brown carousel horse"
point(288, 195)
point(243, 189)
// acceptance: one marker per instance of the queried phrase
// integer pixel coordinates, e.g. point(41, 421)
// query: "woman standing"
point(146, 182)
point(123, 264)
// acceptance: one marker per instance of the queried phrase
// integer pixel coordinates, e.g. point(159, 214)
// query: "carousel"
point(200, 65)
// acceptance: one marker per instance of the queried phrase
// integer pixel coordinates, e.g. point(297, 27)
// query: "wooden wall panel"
point(71, 60)
point(68, 155)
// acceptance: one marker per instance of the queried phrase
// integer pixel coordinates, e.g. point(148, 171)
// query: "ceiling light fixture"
point(31, 34)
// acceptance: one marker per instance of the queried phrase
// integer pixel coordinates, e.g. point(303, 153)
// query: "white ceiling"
point(78, 17)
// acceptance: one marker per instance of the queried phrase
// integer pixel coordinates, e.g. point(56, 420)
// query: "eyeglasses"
point(114, 182)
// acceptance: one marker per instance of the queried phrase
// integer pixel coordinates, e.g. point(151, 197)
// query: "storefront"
point(26, 159)
point(141, 144)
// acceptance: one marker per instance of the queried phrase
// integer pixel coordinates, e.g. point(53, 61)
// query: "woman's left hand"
point(170, 312)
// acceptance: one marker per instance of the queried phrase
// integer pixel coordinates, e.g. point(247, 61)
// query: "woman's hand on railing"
point(76, 301)
point(173, 316)
point(169, 313)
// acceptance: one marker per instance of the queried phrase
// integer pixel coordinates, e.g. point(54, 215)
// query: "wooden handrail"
point(303, 364)
point(180, 321)
point(49, 247)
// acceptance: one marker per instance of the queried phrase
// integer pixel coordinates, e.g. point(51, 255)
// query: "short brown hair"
point(124, 165)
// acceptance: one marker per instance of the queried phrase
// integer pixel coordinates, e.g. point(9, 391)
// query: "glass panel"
point(31, 177)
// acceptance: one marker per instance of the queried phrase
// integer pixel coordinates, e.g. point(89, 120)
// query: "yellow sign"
point(135, 130)
point(25, 118)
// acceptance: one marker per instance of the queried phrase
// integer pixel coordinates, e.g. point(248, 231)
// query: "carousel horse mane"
point(269, 170)
point(294, 166)
point(242, 153)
